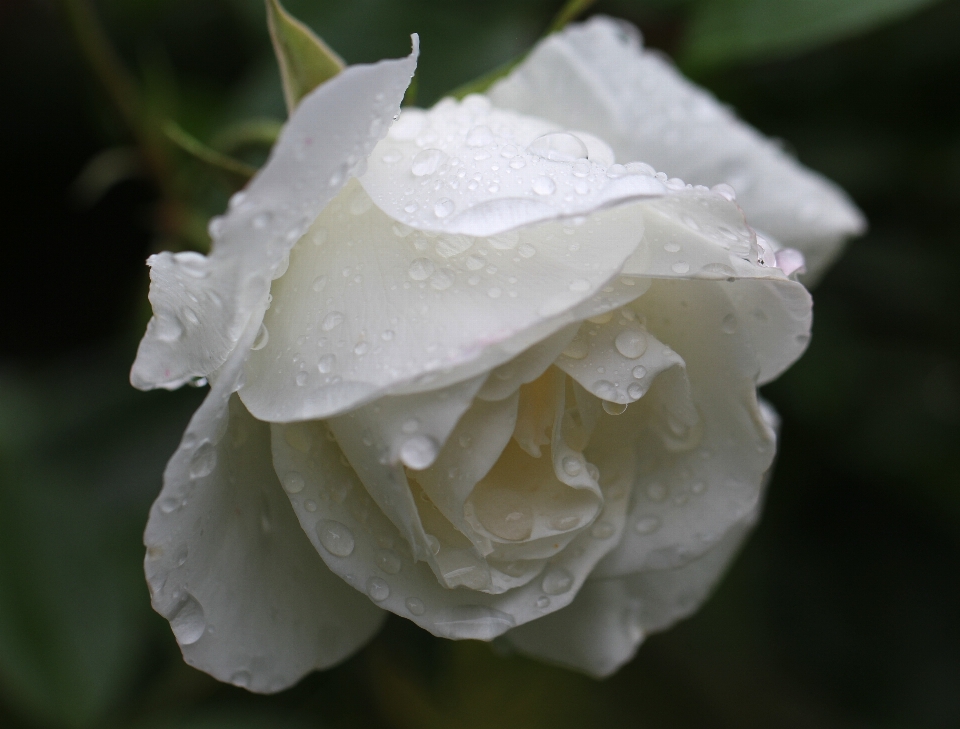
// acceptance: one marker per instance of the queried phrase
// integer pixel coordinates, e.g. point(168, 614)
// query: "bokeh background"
point(843, 610)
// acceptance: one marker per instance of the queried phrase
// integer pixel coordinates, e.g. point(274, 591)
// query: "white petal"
point(696, 478)
point(248, 599)
point(476, 170)
point(202, 304)
point(603, 627)
point(369, 307)
point(698, 234)
point(596, 76)
point(361, 544)
point(527, 366)
point(397, 431)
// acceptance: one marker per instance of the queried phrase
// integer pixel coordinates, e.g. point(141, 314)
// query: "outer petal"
point(603, 627)
point(695, 480)
point(702, 235)
point(369, 307)
point(596, 76)
point(202, 304)
point(247, 597)
point(471, 169)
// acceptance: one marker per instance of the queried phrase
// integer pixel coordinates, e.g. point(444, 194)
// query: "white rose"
point(507, 385)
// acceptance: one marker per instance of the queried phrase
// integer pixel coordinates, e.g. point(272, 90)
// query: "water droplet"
point(504, 241)
point(237, 199)
point(558, 146)
point(433, 544)
point(378, 589)
point(326, 363)
point(167, 329)
point(729, 324)
point(410, 426)
point(204, 460)
point(572, 465)
point(415, 605)
point(319, 236)
point(602, 530)
point(556, 581)
point(543, 602)
point(564, 523)
point(293, 483)
point(301, 379)
point(419, 452)
point(577, 349)
point(421, 269)
point(263, 336)
point(310, 505)
point(443, 207)
point(262, 220)
point(361, 348)
point(392, 156)
point(614, 408)
point(332, 321)
point(169, 505)
point(680, 267)
point(335, 537)
point(389, 561)
point(635, 391)
point(647, 524)
point(426, 162)
point(187, 621)
point(479, 136)
point(631, 343)
point(639, 372)
point(544, 185)
point(386, 335)
point(672, 248)
point(493, 292)
point(318, 283)
point(579, 285)
point(605, 390)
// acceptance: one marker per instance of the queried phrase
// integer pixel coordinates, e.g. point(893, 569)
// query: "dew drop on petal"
point(614, 408)
point(378, 589)
point(332, 321)
point(263, 336)
point(415, 605)
point(602, 530)
point(293, 483)
point(479, 136)
point(389, 561)
point(558, 146)
point(639, 372)
point(426, 162)
point(326, 363)
point(572, 465)
point(647, 524)
point(419, 452)
point(729, 324)
point(556, 581)
point(444, 207)
point(544, 185)
point(421, 269)
point(204, 460)
point(335, 537)
point(631, 343)
point(188, 621)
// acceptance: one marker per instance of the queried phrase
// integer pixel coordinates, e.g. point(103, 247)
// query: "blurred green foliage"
point(841, 611)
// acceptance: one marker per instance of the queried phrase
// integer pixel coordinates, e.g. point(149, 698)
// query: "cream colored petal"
point(596, 76)
point(202, 304)
point(467, 168)
point(695, 479)
point(603, 627)
point(248, 599)
point(368, 307)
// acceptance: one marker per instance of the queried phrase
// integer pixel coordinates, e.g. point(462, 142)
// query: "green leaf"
point(193, 146)
point(305, 60)
point(81, 457)
point(727, 31)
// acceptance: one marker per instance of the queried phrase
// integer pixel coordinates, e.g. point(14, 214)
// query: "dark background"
point(843, 610)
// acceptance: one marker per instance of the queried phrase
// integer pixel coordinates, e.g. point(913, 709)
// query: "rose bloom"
point(479, 366)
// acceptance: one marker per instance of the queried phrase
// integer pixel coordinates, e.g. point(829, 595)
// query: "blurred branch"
point(193, 146)
point(568, 13)
point(246, 133)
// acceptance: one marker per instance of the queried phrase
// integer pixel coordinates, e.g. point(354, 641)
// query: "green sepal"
point(305, 60)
